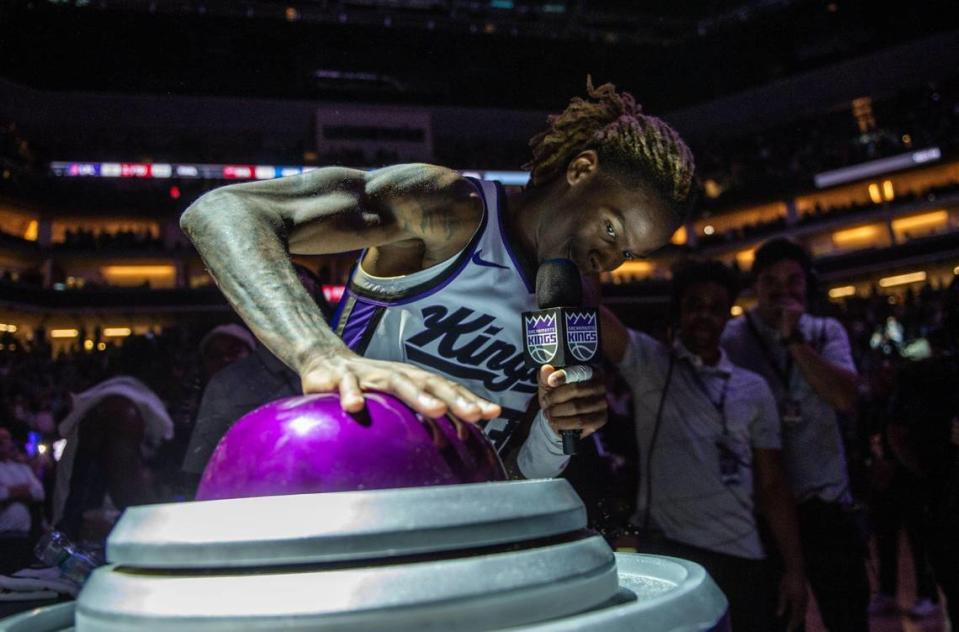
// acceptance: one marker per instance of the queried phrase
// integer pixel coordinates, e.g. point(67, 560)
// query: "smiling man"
point(432, 311)
point(807, 363)
point(709, 440)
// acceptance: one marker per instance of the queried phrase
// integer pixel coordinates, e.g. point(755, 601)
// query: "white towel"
point(159, 426)
point(30, 581)
point(26, 595)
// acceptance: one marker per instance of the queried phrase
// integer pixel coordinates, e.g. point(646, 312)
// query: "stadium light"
point(876, 167)
point(68, 169)
point(934, 218)
point(841, 292)
point(679, 237)
point(888, 192)
point(135, 271)
point(903, 279)
point(33, 230)
point(861, 233)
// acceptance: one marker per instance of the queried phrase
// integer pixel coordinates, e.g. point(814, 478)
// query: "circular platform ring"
point(343, 526)
point(55, 618)
point(655, 594)
point(483, 592)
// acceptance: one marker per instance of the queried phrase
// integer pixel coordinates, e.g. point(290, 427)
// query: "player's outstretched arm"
point(245, 233)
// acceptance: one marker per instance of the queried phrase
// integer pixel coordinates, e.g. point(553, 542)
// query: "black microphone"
point(561, 332)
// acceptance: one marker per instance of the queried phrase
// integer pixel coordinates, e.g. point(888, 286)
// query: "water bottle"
point(56, 549)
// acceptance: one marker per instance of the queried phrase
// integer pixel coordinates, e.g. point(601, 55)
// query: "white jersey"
point(460, 318)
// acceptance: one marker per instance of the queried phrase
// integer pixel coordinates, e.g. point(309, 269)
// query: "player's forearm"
point(245, 251)
point(541, 455)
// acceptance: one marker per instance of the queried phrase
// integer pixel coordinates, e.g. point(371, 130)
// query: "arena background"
point(833, 122)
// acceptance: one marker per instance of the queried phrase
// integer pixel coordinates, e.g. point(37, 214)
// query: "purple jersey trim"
point(358, 323)
point(338, 312)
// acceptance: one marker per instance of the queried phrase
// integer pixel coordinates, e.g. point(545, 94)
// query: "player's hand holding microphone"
point(562, 337)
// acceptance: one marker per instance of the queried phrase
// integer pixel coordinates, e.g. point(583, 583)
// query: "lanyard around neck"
point(784, 374)
point(720, 404)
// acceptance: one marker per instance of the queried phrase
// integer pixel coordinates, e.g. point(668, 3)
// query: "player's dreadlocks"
point(637, 145)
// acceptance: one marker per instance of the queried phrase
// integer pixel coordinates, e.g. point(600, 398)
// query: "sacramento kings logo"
point(541, 337)
point(582, 337)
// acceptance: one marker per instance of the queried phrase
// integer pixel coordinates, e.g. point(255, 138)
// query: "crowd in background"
point(35, 383)
point(86, 239)
point(757, 230)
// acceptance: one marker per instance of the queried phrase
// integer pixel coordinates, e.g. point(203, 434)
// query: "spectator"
point(924, 435)
point(239, 388)
point(20, 493)
point(807, 362)
point(111, 432)
point(898, 503)
point(708, 432)
point(224, 345)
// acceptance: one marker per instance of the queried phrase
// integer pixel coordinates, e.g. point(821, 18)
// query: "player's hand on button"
point(572, 406)
point(426, 393)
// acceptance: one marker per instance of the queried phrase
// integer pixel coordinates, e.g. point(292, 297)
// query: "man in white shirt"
point(19, 488)
point(708, 436)
point(807, 363)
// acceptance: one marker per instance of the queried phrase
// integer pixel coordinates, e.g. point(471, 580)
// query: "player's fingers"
point(319, 380)
point(466, 394)
point(577, 373)
point(590, 422)
point(461, 432)
point(567, 392)
point(415, 396)
point(543, 375)
point(570, 375)
point(462, 405)
point(579, 406)
point(439, 439)
point(351, 397)
point(459, 400)
point(594, 425)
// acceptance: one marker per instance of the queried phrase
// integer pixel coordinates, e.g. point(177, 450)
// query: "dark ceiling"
point(506, 53)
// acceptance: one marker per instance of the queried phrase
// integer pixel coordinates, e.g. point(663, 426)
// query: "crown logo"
point(537, 321)
point(581, 318)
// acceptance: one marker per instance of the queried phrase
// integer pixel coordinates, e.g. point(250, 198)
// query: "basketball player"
point(432, 312)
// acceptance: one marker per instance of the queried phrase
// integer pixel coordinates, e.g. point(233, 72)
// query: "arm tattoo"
point(246, 255)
